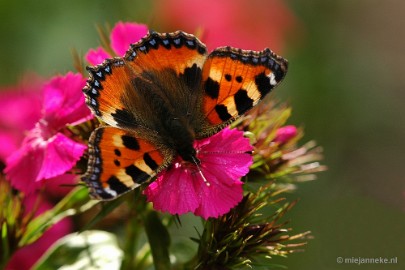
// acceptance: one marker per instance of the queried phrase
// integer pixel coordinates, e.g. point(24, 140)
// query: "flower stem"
point(159, 240)
point(5, 247)
point(133, 231)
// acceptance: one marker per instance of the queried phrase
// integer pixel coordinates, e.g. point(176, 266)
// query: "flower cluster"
point(46, 152)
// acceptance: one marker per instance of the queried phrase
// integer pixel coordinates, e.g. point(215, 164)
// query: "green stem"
point(132, 236)
point(159, 240)
point(133, 231)
point(5, 256)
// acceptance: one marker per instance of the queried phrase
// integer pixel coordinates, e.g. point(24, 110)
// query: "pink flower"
point(20, 109)
point(212, 188)
point(284, 134)
point(122, 35)
point(254, 24)
point(46, 151)
point(27, 256)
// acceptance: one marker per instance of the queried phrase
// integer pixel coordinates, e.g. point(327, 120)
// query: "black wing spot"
point(278, 73)
point(130, 142)
point(263, 84)
point(192, 76)
point(117, 162)
point(137, 175)
point(222, 112)
point(124, 118)
point(211, 88)
point(150, 162)
point(242, 101)
point(116, 185)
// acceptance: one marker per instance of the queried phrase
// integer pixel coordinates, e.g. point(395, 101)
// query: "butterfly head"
point(188, 154)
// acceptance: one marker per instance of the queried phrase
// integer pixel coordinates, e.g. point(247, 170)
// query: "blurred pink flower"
point(284, 134)
point(27, 256)
point(252, 25)
point(46, 152)
point(122, 35)
point(182, 188)
point(20, 109)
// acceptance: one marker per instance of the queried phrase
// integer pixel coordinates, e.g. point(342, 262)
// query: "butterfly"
point(166, 92)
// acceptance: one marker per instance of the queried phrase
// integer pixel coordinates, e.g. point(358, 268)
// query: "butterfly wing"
point(157, 78)
point(119, 161)
point(234, 81)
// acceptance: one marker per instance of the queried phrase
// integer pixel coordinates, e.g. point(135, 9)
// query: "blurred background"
point(346, 86)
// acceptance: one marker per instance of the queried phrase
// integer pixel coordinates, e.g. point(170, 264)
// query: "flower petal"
point(61, 185)
point(20, 108)
point(173, 192)
point(96, 56)
point(64, 101)
point(9, 141)
point(217, 198)
point(61, 154)
point(237, 15)
point(39, 160)
point(125, 34)
point(23, 166)
point(227, 151)
point(284, 134)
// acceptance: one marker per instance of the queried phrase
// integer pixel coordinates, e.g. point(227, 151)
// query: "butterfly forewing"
point(108, 90)
point(119, 161)
point(159, 76)
point(234, 81)
point(176, 51)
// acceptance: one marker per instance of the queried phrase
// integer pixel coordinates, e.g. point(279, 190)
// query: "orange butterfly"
point(166, 92)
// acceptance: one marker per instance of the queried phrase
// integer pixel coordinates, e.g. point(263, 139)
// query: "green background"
point(346, 86)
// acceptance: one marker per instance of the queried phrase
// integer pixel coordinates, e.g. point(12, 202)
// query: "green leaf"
point(159, 241)
point(77, 201)
point(87, 250)
point(106, 208)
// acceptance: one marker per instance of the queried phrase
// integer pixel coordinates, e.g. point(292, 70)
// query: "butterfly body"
point(174, 121)
point(163, 95)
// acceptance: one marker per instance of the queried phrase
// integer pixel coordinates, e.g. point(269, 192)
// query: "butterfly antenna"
point(197, 163)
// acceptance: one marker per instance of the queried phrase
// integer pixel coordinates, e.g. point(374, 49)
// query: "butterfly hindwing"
point(119, 161)
point(235, 80)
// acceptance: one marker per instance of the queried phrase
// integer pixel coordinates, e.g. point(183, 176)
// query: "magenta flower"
point(46, 151)
point(122, 35)
point(96, 56)
point(284, 134)
point(231, 22)
point(212, 188)
point(20, 109)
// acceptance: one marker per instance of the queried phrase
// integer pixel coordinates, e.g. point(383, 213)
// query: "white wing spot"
point(110, 191)
point(272, 78)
